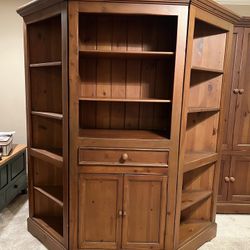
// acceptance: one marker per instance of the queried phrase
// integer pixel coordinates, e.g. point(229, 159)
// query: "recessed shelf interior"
point(48, 213)
point(44, 40)
point(205, 90)
point(135, 120)
point(127, 32)
point(209, 46)
point(46, 89)
point(47, 134)
point(202, 132)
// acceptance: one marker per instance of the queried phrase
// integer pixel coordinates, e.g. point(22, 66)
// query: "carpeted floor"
point(233, 230)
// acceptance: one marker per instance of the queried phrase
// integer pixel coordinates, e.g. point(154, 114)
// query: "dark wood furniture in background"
point(145, 121)
point(234, 191)
point(13, 179)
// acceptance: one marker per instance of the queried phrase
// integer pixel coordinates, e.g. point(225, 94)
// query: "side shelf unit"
point(47, 112)
point(208, 47)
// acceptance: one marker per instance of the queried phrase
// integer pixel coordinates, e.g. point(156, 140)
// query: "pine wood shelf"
point(191, 228)
point(193, 161)
point(122, 134)
point(47, 156)
point(54, 193)
point(131, 54)
point(152, 100)
point(191, 198)
point(202, 109)
point(208, 70)
point(45, 64)
point(48, 115)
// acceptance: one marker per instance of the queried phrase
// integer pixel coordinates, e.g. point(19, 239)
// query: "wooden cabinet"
point(13, 179)
point(125, 104)
point(234, 177)
point(122, 211)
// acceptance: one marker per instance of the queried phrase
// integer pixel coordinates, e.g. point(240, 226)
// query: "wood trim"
point(49, 241)
point(243, 22)
point(217, 10)
point(36, 5)
point(233, 208)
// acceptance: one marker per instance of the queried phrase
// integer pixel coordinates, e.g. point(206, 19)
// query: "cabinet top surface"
point(207, 5)
point(17, 148)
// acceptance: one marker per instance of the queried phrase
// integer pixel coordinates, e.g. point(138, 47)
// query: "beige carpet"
point(233, 230)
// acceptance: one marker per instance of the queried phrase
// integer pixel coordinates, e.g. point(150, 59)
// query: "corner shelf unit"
point(204, 84)
point(125, 107)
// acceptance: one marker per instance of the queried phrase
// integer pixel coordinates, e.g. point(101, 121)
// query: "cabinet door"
point(224, 178)
point(242, 119)
point(239, 188)
point(144, 211)
point(231, 94)
point(100, 207)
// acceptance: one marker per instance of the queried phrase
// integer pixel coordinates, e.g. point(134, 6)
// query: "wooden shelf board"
point(45, 64)
point(202, 109)
point(54, 193)
point(52, 224)
point(47, 156)
point(190, 198)
point(193, 161)
point(140, 54)
point(123, 134)
point(150, 100)
point(191, 228)
point(209, 70)
point(56, 116)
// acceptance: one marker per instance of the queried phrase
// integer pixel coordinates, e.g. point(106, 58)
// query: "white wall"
point(12, 86)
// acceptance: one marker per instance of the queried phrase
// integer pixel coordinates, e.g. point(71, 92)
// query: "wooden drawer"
point(17, 166)
point(127, 157)
point(16, 187)
point(3, 176)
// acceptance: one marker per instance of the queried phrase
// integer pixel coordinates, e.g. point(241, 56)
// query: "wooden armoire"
point(125, 104)
point(234, 188)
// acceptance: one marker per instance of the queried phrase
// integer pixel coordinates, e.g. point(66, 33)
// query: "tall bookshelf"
point(47, 123)
point(202, 124)
point(135, 163)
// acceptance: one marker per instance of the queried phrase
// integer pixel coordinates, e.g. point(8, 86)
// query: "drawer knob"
point(227, 179)
point(124, 157)
point(241, 91)
point(15, 186)
point(236, 91)
point(232, 179)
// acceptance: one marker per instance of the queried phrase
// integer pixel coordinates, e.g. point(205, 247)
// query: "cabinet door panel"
point(100, 199)
point(242, 121)
point(224, 173)
point(145, 211)
point(239, 188)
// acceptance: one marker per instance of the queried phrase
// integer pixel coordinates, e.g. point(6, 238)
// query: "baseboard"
point(206, 235)
point(232, 208)
point(43, 236)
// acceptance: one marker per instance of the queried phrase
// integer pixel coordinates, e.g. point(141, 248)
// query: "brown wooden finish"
point(135, 111)
point(144, 212)
point(233, 194)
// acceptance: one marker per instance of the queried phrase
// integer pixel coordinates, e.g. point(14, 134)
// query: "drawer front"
point(17, 166)
point(15, 188)
point(88, 156)
point(3, 176)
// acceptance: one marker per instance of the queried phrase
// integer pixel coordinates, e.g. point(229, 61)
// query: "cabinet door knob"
point(236, 91)
point(232, 179)
point(241, 91)
point(120, 212)
point(124, 213)
point(124, 157)
point(227, 179)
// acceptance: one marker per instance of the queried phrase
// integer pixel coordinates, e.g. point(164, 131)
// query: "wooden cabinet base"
point(233, 208)
point(43, 236)
point(206, 235)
